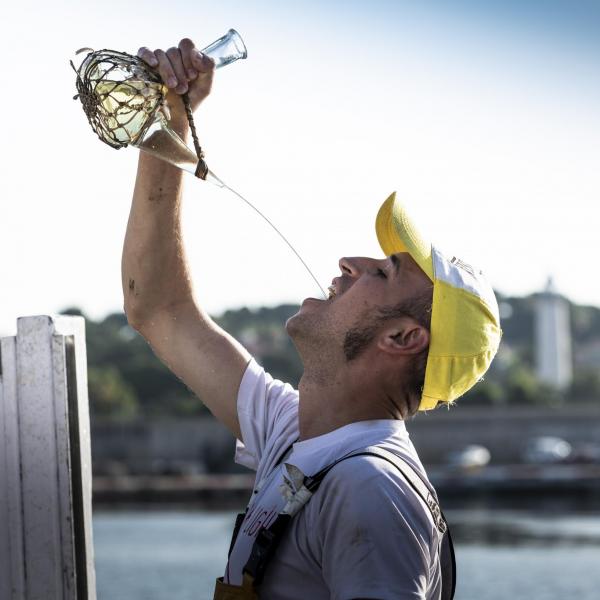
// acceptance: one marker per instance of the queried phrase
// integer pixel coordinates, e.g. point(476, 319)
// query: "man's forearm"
point(154, 269)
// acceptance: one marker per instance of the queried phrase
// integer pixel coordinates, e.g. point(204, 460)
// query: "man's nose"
point(350, 266)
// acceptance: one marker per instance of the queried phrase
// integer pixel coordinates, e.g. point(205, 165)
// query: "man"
point(397, 334)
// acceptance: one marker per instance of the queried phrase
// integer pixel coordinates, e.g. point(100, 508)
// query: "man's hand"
point(182, 69)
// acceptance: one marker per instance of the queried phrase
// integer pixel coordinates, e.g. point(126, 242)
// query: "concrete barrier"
point(46, 549)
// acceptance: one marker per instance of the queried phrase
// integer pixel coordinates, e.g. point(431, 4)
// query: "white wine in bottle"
point(128, 106)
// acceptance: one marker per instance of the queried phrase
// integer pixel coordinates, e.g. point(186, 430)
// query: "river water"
point(501, 555)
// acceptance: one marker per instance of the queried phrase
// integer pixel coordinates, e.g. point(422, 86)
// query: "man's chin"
point(305, 315)
point(292, 323)
point(311, 301)
point(295, 323)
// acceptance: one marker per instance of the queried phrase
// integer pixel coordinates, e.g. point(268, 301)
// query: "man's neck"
point(330, 400)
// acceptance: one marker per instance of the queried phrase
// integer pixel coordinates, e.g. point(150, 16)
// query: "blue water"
point(500, 555)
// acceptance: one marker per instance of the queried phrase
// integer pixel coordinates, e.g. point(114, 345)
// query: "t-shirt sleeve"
point(267, 412)
point(375, 538)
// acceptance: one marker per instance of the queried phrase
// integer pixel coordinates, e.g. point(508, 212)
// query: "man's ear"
point(404, 337)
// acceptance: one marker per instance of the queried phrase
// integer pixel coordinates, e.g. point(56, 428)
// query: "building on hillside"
point(553, 354)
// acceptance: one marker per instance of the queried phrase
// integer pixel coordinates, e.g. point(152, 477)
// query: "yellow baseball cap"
point(465, 324)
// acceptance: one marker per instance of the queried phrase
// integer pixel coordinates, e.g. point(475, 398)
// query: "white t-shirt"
point(363, 534)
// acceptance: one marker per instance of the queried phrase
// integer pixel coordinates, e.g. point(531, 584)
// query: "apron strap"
point(239, 519)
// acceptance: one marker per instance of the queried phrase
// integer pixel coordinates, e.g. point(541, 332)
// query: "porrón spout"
point(162, 142)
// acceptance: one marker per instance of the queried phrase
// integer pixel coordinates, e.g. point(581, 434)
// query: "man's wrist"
point(180, 125)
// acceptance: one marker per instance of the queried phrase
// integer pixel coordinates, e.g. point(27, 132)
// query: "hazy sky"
point(483, 116)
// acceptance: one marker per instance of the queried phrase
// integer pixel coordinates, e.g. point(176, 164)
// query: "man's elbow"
point(134, 317)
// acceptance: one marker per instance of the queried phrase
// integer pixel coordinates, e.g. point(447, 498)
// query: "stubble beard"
point(357, 339)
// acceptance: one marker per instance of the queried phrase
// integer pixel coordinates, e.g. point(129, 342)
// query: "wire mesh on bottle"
point(120, 95)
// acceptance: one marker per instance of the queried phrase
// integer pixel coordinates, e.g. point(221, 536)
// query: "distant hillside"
point(126, 381)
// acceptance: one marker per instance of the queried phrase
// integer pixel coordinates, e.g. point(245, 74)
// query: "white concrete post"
point(46, 548)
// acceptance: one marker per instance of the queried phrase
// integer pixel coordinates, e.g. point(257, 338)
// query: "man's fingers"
point(187, 48)
point(176, 61)
point(165, 69)
point(202, 62)
point(183, 69)
point(147, 56)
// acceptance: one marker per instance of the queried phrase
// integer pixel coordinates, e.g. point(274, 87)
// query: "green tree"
point(110, 395)
point(116, 353)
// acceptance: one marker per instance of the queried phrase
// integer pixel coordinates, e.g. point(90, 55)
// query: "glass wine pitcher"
point(124, 100)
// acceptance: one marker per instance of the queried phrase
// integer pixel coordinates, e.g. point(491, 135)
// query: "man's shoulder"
point(363, 466)
point(364, 482)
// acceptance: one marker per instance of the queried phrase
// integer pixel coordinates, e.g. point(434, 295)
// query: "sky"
point(482, 116)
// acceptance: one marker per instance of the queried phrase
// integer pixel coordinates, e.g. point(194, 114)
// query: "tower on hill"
point(554, 364)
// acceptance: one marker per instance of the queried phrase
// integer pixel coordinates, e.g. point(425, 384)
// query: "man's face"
point(364, 285)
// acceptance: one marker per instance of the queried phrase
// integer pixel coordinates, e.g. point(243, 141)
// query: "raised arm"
point(158, 294)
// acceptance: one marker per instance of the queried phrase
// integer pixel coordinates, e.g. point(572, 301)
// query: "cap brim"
point(396, 233)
